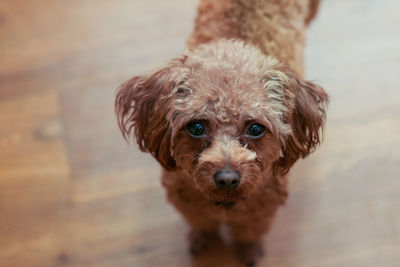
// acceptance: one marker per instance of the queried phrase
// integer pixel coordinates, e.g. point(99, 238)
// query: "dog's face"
point(224, 114)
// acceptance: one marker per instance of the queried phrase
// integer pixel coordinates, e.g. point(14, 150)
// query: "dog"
point(228, 119)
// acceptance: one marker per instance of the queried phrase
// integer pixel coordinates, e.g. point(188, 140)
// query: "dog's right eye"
point(255, 131)
point(196, 129)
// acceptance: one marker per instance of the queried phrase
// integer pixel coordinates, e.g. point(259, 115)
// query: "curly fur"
point(229, 84)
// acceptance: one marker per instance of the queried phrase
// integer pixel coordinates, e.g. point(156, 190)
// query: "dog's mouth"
point(228, 204)
point(225, 204)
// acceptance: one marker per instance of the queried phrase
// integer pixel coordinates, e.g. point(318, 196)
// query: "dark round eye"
point(255, 130)
point(196, 129)
point(182, 91)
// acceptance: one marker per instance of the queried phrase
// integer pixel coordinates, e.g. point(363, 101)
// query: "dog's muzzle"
point(227, 179)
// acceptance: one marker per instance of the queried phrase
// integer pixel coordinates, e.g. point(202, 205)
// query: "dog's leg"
point(196, 211)
point(249, 252)
point(202, 231)
point(248, 240)
point(200, 240)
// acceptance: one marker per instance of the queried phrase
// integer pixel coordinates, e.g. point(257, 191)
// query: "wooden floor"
point(72, 193)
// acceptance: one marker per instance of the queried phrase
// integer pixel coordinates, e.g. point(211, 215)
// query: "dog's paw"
point(199, 241)
point(249, 253)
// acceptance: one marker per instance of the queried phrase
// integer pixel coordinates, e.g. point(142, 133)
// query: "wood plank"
point(34, 176)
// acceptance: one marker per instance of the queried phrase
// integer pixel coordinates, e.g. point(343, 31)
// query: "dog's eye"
point(182, 92)
point(255, 130)
point(196, 129)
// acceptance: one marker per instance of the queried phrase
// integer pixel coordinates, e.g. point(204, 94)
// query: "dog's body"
point(228, 120)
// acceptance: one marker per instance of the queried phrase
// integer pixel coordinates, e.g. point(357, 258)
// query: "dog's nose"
point(227, 179)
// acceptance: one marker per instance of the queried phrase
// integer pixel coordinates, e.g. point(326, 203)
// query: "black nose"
point(227, 179)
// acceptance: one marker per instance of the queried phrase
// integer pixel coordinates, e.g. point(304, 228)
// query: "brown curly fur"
point(228, 85)
point(275, 26)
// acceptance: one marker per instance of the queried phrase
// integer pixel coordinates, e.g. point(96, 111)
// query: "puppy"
point(229, 118)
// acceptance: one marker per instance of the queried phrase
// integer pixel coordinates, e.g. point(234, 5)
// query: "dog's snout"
point(227, 179)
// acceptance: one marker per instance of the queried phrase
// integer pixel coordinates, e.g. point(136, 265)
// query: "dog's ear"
point(306, 104)
point(141, 106)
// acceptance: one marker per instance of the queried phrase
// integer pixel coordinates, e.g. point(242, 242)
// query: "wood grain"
point(73, 193)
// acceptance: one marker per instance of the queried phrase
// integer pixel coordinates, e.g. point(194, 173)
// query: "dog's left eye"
point(255, 130)
point(196, 129)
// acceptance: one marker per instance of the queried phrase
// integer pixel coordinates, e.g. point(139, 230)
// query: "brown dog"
point(229, 118)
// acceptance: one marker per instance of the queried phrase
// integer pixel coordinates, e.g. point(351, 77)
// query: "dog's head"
point(226, 115)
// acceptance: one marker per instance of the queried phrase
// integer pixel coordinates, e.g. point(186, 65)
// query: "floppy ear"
point(306, 116)
point(141, 106)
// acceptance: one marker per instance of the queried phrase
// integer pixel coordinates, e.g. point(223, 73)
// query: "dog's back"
point(275, 26)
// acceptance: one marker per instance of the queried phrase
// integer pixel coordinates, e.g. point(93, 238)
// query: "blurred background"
point(73, 193)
